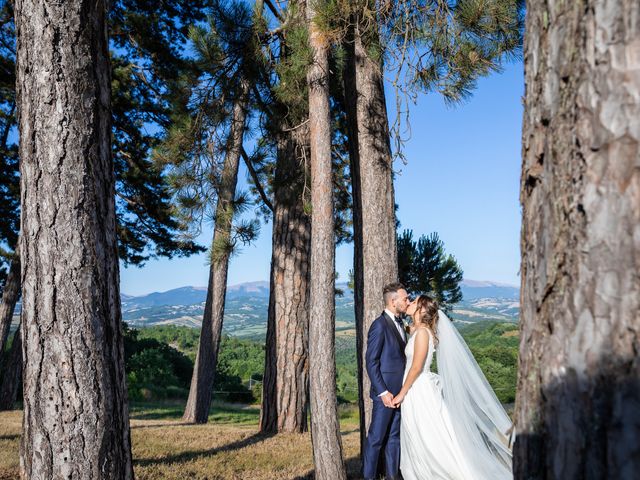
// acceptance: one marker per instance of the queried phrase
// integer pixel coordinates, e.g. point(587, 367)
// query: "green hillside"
point(494, 345)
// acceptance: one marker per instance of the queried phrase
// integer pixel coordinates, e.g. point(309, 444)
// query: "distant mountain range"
point(471, 290)
point(246, 306)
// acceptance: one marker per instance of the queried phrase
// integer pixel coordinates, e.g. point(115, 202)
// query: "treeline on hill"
point(159, 362)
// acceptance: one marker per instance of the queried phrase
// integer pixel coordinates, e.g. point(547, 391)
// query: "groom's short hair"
point(389, 291)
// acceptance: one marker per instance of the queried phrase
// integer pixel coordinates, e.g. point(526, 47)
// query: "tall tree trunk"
point(286, 378)
point(197, 409)
point(11, 373)
point(375, 261)
point(76, 422)
point(10, 296)
point(579, 382)
point(325, 425)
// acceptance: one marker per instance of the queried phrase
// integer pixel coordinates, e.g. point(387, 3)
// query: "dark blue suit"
point(385, 362)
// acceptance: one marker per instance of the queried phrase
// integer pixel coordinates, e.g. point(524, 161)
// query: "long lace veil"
point(481, 425)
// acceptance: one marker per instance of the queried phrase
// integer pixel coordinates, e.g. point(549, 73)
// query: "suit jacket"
point(385, 359)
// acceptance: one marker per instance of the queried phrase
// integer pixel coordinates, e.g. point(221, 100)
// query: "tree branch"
point(256, 180)
point(274, 10)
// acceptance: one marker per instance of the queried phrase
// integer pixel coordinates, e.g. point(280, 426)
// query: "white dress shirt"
point(400, 331)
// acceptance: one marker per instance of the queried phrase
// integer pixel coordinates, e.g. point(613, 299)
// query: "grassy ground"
point(228, 447)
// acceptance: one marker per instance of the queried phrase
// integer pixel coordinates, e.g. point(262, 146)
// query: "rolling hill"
point(247, 303)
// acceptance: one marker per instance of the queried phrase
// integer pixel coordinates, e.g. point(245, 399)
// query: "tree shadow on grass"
point(188, 456)
point(220, 413)
point(172, 414)
point(10, 437)
point(162, 425)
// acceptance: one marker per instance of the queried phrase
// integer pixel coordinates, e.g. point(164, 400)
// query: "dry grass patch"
point(229, 447)
point(10, 428)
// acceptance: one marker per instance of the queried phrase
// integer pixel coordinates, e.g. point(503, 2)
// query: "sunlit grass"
point(228, 447)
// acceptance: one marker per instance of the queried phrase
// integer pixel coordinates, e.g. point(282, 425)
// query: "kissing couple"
point(447, 425)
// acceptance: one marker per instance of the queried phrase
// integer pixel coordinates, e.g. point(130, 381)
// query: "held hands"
point(397, 400)
point(390, 401)
point(387, 400)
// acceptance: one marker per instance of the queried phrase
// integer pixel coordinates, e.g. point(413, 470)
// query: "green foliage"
point(238, 361)
point(346, 370)
point(196, 145)
point(242, 358)
point(424, 267)
point(148, 74)
point(183, 339)
point(146, 41)
point(495, 348)
point(447, 46)
point(154, 369)
point(292, 68)
point(160, 362)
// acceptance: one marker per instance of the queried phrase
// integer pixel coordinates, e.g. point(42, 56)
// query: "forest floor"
point(228, 447)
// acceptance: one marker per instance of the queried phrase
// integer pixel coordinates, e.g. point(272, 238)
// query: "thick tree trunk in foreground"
point(577, 413)
point(76, 422)
point(325, 425)
point(286, 378)
point(375, 260)
point(197, 409)
point(11, 373)
point(10, 296)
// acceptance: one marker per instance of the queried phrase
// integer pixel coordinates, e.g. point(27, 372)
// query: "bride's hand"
point(397, 400)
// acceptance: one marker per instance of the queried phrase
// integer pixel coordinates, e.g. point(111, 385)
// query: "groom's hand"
point(387, 400)
point(397, 400)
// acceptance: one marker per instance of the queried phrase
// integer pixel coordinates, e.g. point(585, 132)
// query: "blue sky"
point(461, 180)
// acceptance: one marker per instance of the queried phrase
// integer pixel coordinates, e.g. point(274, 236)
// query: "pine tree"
point(225, 57)
point(76, 421)
point(285, 131)
point(147, 69)
point(149, 61)
point(325, 425)
point(425, 268)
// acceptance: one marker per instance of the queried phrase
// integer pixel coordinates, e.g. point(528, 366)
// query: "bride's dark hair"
point(428, 311)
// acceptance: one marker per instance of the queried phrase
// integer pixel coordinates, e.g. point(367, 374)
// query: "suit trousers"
point(384, 433)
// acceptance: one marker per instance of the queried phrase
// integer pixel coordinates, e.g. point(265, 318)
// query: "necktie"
point(400, 324)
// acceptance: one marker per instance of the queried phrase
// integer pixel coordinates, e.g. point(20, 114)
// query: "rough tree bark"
point(375, 260)
point(76, 422)
point(325, 426)
point(11, 373)
point(286, 377)
point(200, 393)
point(10, 296)
point(577, 411)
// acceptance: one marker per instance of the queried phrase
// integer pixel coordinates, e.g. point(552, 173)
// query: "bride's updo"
point(427, 309)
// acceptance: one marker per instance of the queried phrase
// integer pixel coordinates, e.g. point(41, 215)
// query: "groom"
point(385, 362)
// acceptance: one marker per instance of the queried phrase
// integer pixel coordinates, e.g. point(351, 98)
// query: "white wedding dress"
point(453, 426)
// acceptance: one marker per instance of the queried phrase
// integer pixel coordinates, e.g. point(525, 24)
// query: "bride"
point(453, 426)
